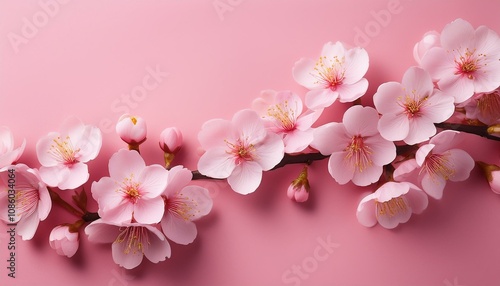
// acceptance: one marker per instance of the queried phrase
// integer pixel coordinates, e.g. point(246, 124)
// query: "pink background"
point(83, 58)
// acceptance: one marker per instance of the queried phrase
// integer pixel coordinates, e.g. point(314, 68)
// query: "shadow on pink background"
point(208, 59)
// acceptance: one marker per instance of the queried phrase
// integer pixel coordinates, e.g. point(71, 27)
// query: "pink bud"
point(492, 174)
point(131, 129)
point(299, 188)
point(63, 241)
point(171, 140)
point(430, 40)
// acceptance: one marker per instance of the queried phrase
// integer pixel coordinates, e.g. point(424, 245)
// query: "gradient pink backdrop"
point(86, 55)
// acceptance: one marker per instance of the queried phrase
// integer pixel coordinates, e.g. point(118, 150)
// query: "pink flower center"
point(136, 239)
point(181, 206)
point(468, 63)
point(412, 104)
point(284, 116)
point(241, 150)
point(391, 207)
point(26, 200)
point(329, 73)
point(439, 165)
point(63, 151)
point(130, 189)
point(358, 153)
point(489, 105)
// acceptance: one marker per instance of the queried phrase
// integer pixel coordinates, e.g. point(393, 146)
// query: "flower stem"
point(481, 130)
point(61, 202)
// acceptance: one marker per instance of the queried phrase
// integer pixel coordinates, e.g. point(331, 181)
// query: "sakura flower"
point(63, 241)
point(492, 174)
point(337, 73)
point(183, 205)
point(391, 204)
point(429, 40)
point(130, 242)
point(8, 154)
point(410, 109)
point(132, 129)
point(435, 163)
point(299, 188)
point(63, 155)
point(468, 61)
point(170, 143)
point(282, 112)
point(132, 192)
point(239, 150)
point(357, 150)
point(31, 198)
point(484, 107)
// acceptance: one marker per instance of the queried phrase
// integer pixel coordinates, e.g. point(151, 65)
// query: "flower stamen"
point(391, 207)
point(358, 153)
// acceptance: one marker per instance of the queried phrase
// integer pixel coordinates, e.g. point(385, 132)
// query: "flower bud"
point(171, 140)
point(494, 130)
point(492, 173)
point(430, 40)
point(63, 241)
point(299, 188)
point(131, 129)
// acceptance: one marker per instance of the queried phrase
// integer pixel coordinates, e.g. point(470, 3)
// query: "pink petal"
point(422, 153)
point(77, 176)
point(387, 97)
point(417, 199)
point(42, 150)
point(72, 127)
point(494, 183)
point(340, 171)
point(421, 129)
point(463, 164)
point(457, 34)
point(391, 221)
point(12, 157)
point(158, 248)
point(439, 107)
point(391, 190)
point(153, 181)
point(460, 87)
point(368, 176)
point(128, 260)
point(100, 232)
point(433, 186)
point(250, 125)
point(356, 65)
point(297, 140)
point(52, 176)
point(306, 120)
point(383, 151)
point(359, 120)
point(351, 92)
point(178, 230)
point(270, 152)
point(394, 127)
point(148, 211)
point(418, 80)
point(178, 177)
point(118, 213)
point(445, 140)
point(90, 144)
point(331, 50)
point(320, 98)
point(323, 138)
point(366, 212)
point(216, 163)
point(27, 226)
point(124, 163)
point(200, 200)
point(213, 133)
point(246, 177)
point(405, 169)
point(44, 203)
point(439, 63)
point(290, 99)
point(302, 73)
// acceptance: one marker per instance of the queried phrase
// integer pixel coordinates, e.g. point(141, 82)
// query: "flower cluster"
point(404, 149)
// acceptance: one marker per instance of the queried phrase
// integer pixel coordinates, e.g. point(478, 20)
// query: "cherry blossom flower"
point(132, 129)
point(468, 61)
point(63, 155)
point(430, 40)
point(132, 191)
point(435, 163)
point(410, 109)
point(63, 241)
point(357, 150)
point(183, 205)
point(170, 143)
point(484, 107)
point(239, 150)
point(492, 174)
point(337, 73)
point(8, 154)
point(32, 200)
point(391, 204)
point(282, 112)
point(130, 242)
point(299, 188)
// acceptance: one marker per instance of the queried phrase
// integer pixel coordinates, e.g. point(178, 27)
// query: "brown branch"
point(480, 130)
